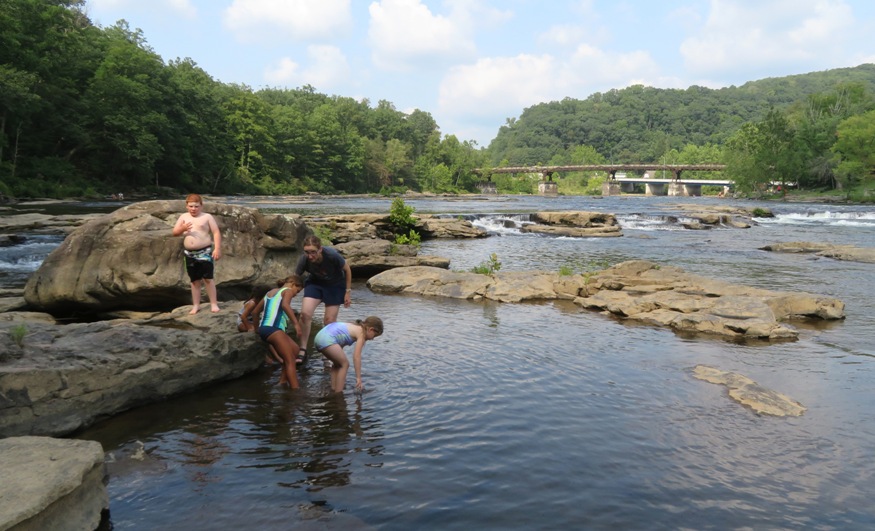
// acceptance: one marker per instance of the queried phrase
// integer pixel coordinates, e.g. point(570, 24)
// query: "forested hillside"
point(641, 124)
point(86, 110)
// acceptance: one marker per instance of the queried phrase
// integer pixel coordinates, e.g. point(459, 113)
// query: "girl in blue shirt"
point(334, 336)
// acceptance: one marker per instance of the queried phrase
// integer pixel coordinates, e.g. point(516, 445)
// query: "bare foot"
point(193, 310)
point(214, 308)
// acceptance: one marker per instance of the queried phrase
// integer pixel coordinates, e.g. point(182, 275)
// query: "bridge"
point(614, 185)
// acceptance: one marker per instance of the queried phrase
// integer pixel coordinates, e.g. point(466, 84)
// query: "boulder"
point(636, 290)
point(129, 259)
point(431, 227)
point(369, 257)
point(65, 377)
point(575, 224)
point(749, 393)
point(352, 227)
point(51, 484)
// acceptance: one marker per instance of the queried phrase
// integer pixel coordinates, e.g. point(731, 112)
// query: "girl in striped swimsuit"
point(275, 310)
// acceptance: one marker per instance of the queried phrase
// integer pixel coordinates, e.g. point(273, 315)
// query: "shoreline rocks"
point(62, 378)
point(637, 290)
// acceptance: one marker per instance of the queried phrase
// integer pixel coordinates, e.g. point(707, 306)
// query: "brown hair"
point(294, 280)
point(313, 240)
point(371, 321)
point(193, 198)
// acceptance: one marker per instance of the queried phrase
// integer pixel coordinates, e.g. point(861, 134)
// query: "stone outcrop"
point(369, 257)
point(351, 227)
point(749, 393)
point(42, 223)
point(636, 290)
point(129, 259)
point(51, 484)
point(64, 377)
point(710, 216)
point(850, 253)
point(577, 224)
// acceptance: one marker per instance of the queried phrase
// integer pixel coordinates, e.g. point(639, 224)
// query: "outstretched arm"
point(287, 307)
point(357, 361)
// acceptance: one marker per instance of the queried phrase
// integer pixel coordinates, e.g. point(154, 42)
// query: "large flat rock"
point(51, 484)
point(635, 290)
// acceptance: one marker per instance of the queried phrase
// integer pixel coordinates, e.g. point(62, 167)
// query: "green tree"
point(855, 147)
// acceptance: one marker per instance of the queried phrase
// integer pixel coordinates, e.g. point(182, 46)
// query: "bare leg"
point(211, 293)
point(195, 296)
point(340, 366)
point(287, 350)
point(308, 306)
point(330, 314)
point(272, 357)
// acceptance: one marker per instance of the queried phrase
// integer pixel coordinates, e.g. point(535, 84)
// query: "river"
point(481, 415)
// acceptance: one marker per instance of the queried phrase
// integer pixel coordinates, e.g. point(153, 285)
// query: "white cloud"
point(496, 85)
point(405, 32)
point(265, 20)
point(328, 69)
point(284, 72)
point(740, 35)
point(182, 7)
point(506, 85)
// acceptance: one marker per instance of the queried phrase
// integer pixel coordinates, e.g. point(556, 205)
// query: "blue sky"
point(473, 64)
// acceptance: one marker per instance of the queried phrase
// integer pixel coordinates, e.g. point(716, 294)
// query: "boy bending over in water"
point(334, 336)
point(202, 246)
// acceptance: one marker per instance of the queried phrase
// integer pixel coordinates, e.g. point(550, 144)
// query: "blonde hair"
point(371, 321)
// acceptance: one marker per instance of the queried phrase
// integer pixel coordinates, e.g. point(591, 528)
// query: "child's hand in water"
point(359, 386)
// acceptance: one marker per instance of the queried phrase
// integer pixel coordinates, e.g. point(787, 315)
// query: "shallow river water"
point(480, 415)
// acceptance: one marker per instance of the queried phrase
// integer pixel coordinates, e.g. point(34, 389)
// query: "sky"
point(475, 64)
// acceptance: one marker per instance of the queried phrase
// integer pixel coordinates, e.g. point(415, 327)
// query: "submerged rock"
point(749, 393)
point(850, 253)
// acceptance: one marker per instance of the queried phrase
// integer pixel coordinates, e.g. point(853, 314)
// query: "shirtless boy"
point(202, 246)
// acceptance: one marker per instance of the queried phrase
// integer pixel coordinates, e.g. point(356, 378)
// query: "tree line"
point(90, 111)
point(816, 131)
point(86, 110)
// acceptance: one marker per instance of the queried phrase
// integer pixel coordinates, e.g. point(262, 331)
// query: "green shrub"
point(411, 238)
point(488, 267)
point(17, 334)
point(566, 271)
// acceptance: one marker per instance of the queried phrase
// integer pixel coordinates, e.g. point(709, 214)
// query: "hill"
point(639, 124)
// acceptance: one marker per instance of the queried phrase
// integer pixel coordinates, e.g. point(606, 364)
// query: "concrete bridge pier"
point(610, 188)
point(548, 188)
point(487, 187)
point(655, 189)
